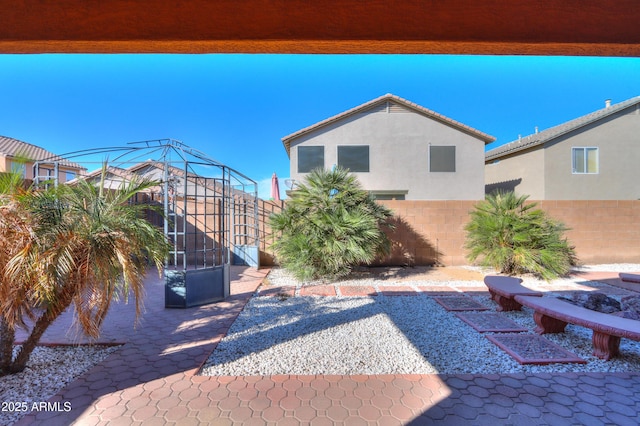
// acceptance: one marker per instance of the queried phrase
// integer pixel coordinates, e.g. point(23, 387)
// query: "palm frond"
point(329, 225)
point(513, 236)
point(77, 244)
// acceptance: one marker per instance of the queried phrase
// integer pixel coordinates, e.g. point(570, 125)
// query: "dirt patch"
point(421, 273)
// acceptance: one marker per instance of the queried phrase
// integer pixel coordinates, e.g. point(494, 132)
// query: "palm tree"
point(329, 225)
point(80, 245)
point(515, 237)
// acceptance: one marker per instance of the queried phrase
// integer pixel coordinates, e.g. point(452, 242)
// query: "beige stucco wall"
point(522, 173)
point(6, 165)
point(398, 154)
point(618, 177)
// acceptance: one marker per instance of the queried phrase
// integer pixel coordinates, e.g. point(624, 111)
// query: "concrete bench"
point(552, 315)
point(632, 278)
point(504, 289)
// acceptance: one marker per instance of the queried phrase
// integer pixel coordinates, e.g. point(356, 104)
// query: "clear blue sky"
point(236, 108)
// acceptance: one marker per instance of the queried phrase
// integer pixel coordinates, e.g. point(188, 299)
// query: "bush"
point(515, 238)
point(328, 226)
point(66, 246)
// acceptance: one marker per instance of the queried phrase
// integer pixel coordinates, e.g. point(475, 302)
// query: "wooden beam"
point(530, 27)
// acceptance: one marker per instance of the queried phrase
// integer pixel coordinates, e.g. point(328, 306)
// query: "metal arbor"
point(210, 211)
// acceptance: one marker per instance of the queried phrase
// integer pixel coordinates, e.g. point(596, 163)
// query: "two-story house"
point(593, 157)
point(16, 155)
point(397, 149)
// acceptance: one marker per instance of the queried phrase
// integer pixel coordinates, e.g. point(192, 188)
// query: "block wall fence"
point(432, 232)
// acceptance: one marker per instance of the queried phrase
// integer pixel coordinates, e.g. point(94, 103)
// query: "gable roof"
point(10, 147)
point(134, 172)
point(559, 130)
point(113, 170)
point(389, 97)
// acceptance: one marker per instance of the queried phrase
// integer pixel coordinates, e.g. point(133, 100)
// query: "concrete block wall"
point(265, 209)
point(602, 231)
point(429, 232)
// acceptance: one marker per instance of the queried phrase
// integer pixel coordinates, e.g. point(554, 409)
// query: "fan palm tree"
point(76, 245)
point(329, 225)
point(513, 236)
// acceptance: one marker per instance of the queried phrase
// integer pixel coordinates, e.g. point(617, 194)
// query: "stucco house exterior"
point(12, 151)
point(397, 149)
point(593, 157)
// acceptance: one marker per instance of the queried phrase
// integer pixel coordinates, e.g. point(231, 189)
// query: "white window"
point(18, 167)
point(584, 160)
point(389, 195)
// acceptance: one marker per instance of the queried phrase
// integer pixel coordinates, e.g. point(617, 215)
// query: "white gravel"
point(612, 267)
point(49, 370)
point(385, 335)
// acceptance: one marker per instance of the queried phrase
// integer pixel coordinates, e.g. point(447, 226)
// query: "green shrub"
point(328, 226)
point(515, 238)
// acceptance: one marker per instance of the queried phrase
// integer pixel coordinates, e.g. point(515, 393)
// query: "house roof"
point(549, 134)
point(10, 147)
point(388, 97)
point(116, 171)
point(132, 172)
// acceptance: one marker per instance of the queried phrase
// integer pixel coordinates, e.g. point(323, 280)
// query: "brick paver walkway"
point(151, 380)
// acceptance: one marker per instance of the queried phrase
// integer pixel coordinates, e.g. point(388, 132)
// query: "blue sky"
point(236, 108)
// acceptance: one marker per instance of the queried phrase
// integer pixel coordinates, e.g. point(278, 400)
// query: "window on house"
point(18, 167)
point(389, 195)
point(69, 176)
point(354, 158)
point(585, 160)
point(309, 158)
point(442, 158)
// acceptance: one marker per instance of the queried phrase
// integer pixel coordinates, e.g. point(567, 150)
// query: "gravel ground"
point(386, 335)
point(615, 267)
point(337, 335)
point(49, 370)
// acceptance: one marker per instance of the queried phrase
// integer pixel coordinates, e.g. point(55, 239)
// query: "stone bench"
point(632, 278)
point(552, 315)
point(504, 289)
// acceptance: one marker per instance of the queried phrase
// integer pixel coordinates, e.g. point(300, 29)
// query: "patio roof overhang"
point(494, 27)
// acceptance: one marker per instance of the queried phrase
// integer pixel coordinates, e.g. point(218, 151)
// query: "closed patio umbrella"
point(275, 188)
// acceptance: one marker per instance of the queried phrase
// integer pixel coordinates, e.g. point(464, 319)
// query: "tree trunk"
point(7, 338)
point(41, 325)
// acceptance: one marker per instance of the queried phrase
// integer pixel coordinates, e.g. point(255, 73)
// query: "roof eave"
point(633, 102)
point(486, 138)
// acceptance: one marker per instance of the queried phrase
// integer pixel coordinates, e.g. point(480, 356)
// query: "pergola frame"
point(210, 211)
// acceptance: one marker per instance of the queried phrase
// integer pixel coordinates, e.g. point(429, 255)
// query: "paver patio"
point(151, 380)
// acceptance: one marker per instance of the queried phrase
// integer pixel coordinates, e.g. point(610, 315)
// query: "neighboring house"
point(22, 156)
point(195, 184)
point(593, 157)
point(397, 149)
point(204, 213)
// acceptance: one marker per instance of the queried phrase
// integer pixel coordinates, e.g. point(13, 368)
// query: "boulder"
point(630, 303)
point(628, 314)
point(595, 301)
